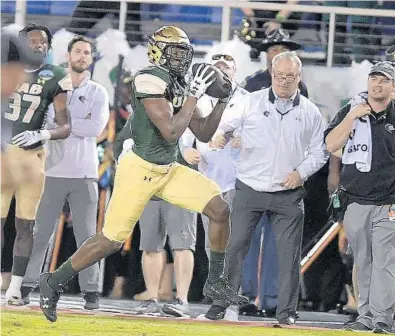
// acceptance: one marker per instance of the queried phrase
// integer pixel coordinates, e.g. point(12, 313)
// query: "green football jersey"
point(125, 134)
point(149, 143)
point(28, 106)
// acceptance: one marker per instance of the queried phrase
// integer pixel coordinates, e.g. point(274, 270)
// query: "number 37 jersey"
point(28, 106)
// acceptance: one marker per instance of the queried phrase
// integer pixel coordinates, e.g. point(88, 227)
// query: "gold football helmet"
point(169, 47)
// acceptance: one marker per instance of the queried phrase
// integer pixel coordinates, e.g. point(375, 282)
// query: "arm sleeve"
point(316, 152)
point(98, 119)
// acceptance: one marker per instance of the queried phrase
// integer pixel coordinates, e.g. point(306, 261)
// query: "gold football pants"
point(137, 180)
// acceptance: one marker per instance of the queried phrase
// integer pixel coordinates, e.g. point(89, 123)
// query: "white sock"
point(184, 300)
point(16, 282)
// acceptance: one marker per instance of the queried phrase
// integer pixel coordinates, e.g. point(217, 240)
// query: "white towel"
point(358, 149)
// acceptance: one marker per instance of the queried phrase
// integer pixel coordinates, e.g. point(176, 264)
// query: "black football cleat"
point(220, 290)
point(215, 313)
point(49, 297)
point(91, 300)
point(382, 328)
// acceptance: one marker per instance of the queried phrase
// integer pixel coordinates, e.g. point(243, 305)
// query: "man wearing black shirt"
point(366, 134)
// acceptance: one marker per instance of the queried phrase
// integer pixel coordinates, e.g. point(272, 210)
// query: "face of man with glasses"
point(226, 63)
point(285, 77)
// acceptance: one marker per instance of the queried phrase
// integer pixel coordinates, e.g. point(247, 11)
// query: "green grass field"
point(22, 323)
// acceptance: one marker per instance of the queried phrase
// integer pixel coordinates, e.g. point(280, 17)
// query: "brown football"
point(222, 87)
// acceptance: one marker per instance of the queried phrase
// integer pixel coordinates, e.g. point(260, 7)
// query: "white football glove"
point(27, 138)
point(126, 148)
point(202, 80)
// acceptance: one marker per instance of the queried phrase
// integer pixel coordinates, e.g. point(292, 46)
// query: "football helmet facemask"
point(169, 47)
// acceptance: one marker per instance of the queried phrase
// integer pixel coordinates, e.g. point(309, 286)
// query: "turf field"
point(32, 323)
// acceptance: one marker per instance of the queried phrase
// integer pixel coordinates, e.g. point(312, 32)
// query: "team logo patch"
point(45, 75)
point(266, 113)
point(389, 128)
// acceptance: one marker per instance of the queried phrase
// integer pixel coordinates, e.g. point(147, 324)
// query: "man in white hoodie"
point(74, 176)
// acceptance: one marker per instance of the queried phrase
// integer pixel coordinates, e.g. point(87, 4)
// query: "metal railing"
point(226, 16)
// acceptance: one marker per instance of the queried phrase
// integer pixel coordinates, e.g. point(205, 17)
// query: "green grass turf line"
point(21, 323)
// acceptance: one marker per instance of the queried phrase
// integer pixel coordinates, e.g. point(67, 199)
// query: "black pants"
point(285, 212)
point(325, 279)
point(8, 235)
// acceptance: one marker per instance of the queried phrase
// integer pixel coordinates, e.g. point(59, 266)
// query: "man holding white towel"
point(365, 130)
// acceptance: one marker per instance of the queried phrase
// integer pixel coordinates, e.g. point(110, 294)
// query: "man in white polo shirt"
point(215, 160)
point(74, 176)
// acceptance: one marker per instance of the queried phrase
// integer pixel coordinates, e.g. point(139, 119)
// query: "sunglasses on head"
point(217, 57)
point(281, 33)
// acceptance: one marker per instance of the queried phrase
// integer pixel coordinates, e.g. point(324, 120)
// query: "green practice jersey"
point(28, 106)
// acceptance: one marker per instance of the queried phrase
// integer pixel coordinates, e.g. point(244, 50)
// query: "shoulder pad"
point(157, 72)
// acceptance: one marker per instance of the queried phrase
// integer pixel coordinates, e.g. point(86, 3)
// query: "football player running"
point(164, 106)
point(27, 109)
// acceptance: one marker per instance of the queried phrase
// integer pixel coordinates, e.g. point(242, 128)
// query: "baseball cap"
point(384, 68)
point(16, 49)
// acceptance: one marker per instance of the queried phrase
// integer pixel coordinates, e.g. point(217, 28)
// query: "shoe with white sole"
point(16, 293)
point(148, 307)
point(177, 308)
point(13, 297)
